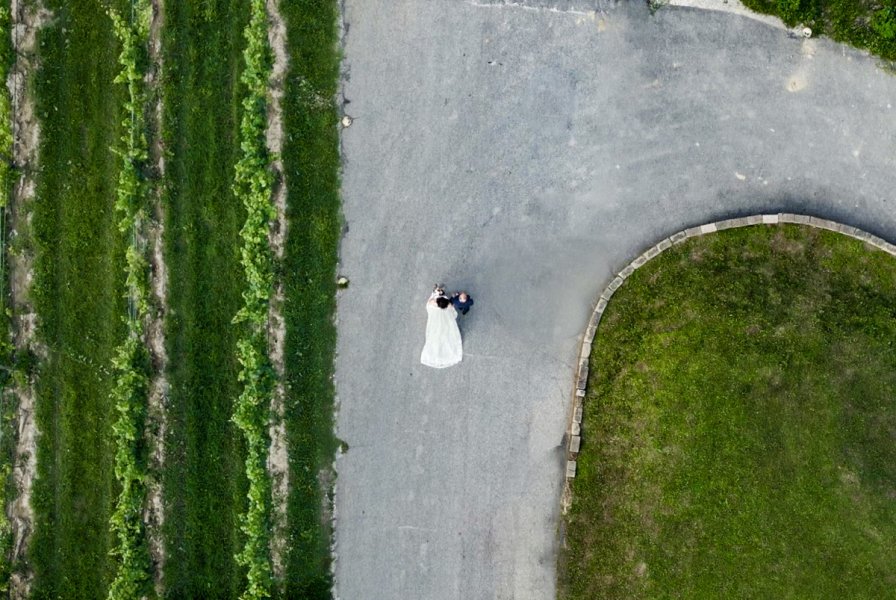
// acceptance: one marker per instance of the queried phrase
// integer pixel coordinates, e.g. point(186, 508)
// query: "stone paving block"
point(770, 219)
point(590, 332)
point(786, 218)
point(877, 242)
point(601, 306)
point(864, 235)
point(594, 321)
point(693, 232)
point(577, 415)
point(585, 353)
point(801, 219)
point(653, 251)
point(614, 285)
point(708, 228)
point(824, 224)
point(583, 367)
point(639, 261)
point(848, 230)
point(754, 219)
point(665, 244)
point(575, 442)
point(679, 237)
point(576, 429)
point(726, 224)
point(570, 469)
point(582, 376)
point(580, 393)
point(607, 293)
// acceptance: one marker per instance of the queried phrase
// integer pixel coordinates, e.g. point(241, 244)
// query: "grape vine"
point(129, 393)
point(253, 184)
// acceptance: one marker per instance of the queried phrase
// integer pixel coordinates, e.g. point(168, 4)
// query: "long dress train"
point(443, 346)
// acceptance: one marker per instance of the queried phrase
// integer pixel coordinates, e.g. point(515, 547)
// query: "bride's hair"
point(443, 302)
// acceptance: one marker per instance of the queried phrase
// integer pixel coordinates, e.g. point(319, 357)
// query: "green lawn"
point(739, 425)
point(78, 293)
point(869, 24)
point(204, 480)
point(311, 164)
point(8, 400)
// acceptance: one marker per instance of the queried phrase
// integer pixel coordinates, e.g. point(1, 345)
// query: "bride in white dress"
point(443, 347)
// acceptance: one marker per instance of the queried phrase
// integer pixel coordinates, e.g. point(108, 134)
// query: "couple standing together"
point(443, 346)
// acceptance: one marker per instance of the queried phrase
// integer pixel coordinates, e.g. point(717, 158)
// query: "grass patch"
point(78, 294)
point(868, 24)
point(204, 481)
point(738, 434)
point(311, 167)
point(8, 400)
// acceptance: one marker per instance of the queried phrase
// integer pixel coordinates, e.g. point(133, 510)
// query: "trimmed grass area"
point(204, 482)
point(78, 294)
point(311, 165)
point(8, 400)
point(869, 24)
point(739, 425)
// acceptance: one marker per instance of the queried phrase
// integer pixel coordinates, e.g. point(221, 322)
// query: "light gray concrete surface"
point(526, 152)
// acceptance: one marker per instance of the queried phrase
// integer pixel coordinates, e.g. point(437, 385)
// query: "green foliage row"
point(253, 185)
point(6, 141)
point(869, 24)
point(129, 393)
point(7, 417)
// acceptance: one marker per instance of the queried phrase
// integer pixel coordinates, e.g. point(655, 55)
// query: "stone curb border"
point(574, 422)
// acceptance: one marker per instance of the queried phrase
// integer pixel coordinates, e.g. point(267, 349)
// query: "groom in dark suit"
point(461, 302)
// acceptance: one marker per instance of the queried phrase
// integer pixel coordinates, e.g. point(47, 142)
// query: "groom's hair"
point(443, 302)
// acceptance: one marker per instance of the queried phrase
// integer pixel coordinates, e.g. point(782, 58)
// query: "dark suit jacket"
point(462, 307)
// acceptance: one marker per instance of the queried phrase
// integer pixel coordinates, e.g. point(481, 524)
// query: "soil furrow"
point(154, 514)
point(278, 460)
point(26, 21)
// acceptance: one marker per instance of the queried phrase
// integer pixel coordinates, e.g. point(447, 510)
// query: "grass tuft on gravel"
point(868, 24)
point(739, 422)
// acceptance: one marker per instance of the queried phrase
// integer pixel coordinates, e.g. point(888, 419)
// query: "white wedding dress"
point(443, 346)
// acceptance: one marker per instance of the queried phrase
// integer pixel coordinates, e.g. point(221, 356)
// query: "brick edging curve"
point(574, 422)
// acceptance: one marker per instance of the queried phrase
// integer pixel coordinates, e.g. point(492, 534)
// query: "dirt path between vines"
point(26, 20)
point(153, 233)
point(278, 460)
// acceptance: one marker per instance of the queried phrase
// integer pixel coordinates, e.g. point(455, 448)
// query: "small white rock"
point(347, 121)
